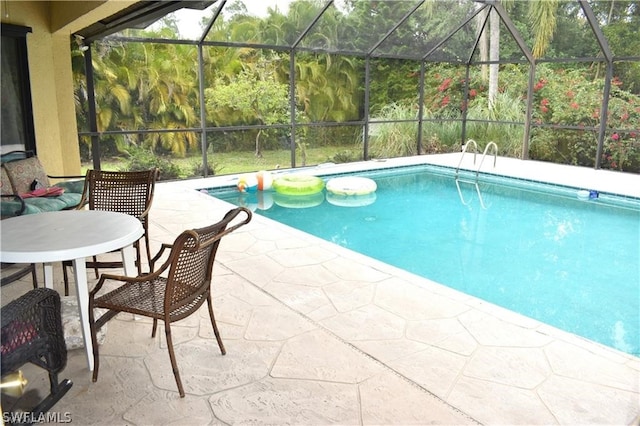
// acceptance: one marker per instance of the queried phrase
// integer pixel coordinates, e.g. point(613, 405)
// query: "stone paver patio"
point(317, 334)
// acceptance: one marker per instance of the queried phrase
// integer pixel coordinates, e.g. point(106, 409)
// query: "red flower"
point(570, 94)
point(633, 134)
point(472, 92)
point(544, 102)
point(445, 85)
point(544, 109)
point(615, 136)
point(445, 101)
point(575, 105)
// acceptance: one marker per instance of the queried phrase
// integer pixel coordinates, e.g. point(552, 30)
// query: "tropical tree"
point(145, 86)
point(542, 21)
point(249, 98)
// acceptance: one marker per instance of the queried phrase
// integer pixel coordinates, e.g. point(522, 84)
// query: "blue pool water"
point(535, 249)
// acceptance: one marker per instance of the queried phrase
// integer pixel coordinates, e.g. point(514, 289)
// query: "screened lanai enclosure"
point(217, 87)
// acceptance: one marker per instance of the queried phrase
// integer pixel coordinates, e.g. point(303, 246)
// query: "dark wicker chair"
point(123, 192)
point(186, 286)
point(17, 271)
point(32, 333)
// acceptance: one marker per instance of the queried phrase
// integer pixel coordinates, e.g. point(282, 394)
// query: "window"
point(17, 114)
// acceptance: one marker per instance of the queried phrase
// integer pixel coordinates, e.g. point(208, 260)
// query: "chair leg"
point(95, 270)
point(33, 275)
point(146, 245)
point(138, 259)
point(65, 275)
point(172, 356)
point(94, 341)
point(215, 326)
point(155, 327)
point(58, 390)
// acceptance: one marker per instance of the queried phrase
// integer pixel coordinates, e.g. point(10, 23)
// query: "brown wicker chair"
point(11, 272)
point(174, 297)
point(123, 192)
point(32, 333)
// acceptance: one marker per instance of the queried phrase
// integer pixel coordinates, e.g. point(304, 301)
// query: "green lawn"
point(239, 161)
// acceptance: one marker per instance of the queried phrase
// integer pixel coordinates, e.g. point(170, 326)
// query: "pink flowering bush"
point(566, 114)
point(569, 98)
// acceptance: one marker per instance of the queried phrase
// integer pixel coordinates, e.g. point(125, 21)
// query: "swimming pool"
point(533, 248)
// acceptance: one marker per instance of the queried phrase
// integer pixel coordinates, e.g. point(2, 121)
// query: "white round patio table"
point(70, 235)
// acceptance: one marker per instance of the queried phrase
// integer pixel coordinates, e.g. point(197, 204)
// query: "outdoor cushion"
point(18, 176)
point(11, 208)
point(72, 186)
point(44, 204)
point(5, 184)
point(22, 173)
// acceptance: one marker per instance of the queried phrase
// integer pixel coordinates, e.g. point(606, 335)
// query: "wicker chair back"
point(173, 291)
point(123, 192)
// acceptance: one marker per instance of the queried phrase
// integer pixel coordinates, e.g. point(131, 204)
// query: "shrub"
point(567, 98)
point(145, 159)
point(397, 139)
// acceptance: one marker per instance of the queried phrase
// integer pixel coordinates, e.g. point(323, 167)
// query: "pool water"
point(535, 249)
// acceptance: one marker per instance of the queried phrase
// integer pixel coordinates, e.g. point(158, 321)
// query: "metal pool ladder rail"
point(465, 202)
point(484, 154)
point(475, 181)
point(475, 152)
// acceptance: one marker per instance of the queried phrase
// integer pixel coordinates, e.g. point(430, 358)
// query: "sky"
point(189, 20)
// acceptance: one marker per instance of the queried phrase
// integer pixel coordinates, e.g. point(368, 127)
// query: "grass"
point(234, 162)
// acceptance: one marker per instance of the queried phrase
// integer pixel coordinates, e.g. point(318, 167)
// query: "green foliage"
point(329, 87)
point(396, 139)
point(508, 108)
point(392, 81)
point(144, 159)
point(250, 97)
point(197, 170)
point(247, 98)
point(153, 86)
point(346, 156)
point(567, 98)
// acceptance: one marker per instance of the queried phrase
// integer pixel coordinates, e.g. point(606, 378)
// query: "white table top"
point(65, 235)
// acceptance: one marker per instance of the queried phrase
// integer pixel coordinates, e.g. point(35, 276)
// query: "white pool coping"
point(613, 182)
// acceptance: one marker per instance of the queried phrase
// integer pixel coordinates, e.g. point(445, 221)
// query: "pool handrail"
point(484, 154)
point(464, 151)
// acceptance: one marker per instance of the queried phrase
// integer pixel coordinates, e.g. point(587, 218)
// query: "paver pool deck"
point(317, 334)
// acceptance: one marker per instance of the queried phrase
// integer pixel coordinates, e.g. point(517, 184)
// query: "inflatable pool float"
point(265, 200)
point(297, 185)
point(247, 183)
point(351, 200)
point(265, 180)
point(351, 185)
point(298, 201)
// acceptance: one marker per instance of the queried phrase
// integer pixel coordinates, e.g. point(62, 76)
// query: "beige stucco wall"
point(53, 23)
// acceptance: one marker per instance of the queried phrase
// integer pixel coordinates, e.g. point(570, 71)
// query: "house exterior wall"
point(49, 54)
